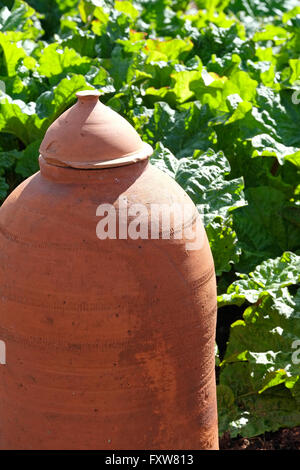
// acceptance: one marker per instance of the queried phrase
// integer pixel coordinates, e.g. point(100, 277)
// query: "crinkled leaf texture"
point(259, 386)
point(202, 176)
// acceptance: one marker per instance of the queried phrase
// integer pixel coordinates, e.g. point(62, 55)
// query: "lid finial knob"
point(88, 95)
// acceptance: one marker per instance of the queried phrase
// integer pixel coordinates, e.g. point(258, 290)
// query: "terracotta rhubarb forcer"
point(109, 342)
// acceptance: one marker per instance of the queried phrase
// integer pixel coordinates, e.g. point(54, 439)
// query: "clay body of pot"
point(109, 342)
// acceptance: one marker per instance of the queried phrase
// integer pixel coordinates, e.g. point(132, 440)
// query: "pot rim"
point(144, 152)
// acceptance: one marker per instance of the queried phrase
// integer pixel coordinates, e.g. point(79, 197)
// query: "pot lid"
point(92, 135)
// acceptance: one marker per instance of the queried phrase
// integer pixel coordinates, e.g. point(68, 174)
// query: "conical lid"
point(91, 135)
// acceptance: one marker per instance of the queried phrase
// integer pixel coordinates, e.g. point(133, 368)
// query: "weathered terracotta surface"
point(110, 343)
point(91, 135)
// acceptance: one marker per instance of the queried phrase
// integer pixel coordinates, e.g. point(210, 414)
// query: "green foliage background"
point(214, 86)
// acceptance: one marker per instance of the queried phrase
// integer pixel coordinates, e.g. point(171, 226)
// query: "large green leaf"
point(21, 18)
point(56, 62)
point(12, 54)
point(182, 131)
point(202, 177)
point(269, 277)
point(53, 102)
point(245, 412)
point(19, 119)
point(262, 226)
point(261, 368)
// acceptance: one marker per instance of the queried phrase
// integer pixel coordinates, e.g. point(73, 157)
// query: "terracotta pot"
point(109, 342)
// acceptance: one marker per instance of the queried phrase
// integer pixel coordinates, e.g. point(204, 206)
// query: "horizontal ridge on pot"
point(109, 339)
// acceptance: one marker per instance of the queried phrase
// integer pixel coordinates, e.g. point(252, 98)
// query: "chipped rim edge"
point(143, 153)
